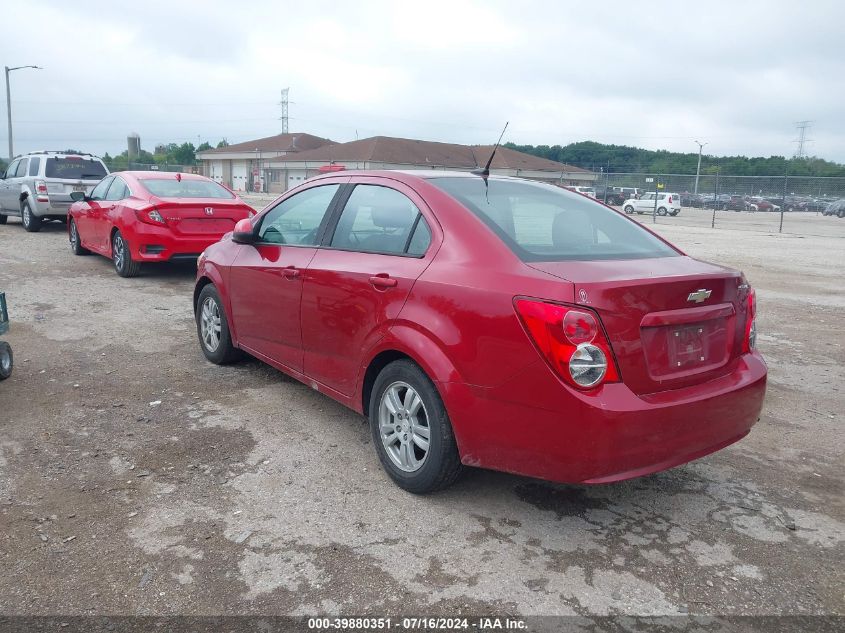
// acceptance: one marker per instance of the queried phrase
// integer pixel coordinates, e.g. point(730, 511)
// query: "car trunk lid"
point(201, 216)
point(671, 321)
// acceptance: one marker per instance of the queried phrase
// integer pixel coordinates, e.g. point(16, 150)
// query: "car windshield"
point(545, 223)
point(74, 168)
point(185, 188)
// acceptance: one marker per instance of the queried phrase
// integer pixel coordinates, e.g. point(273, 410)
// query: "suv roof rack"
point(56, 151)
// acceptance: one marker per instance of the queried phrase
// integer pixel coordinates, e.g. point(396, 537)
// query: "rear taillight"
point(750, 341)
point(40, 186)
point(571, 340)
point(150, 216)
point(670, 199)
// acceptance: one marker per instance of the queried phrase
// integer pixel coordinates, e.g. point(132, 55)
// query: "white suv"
point(667, 204)
point(37, 186)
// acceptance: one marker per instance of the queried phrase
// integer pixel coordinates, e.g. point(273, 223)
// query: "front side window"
point(74, 168)
point(376, 220)
point(12, 168)
point(99, 192)
point(297, 220)
point(546, 223)
point(118, 190)
point(21, 170)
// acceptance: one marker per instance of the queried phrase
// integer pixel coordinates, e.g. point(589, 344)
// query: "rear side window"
point(185, 188)
point(545, 223)
point(34, 166)
point(376, 220)
point(74, 168)
point(297, 220)
point(421, 239)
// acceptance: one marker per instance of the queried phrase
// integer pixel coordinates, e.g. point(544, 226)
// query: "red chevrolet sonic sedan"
point(148, 216)
point(491, 322)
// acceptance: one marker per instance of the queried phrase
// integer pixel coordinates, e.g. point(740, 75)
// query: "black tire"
point(441, 465)
point(3, 218)
point(31, 223)
point(225, 352)
point(7, 360)
point(629, 209)
point(75, 242)
point(661, 211)
point(122, 257)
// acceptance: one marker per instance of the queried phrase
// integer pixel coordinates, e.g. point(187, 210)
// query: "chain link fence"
point(794, 204)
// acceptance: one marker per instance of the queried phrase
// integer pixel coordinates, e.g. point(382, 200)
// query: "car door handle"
point(383, 281)
point(291, 272)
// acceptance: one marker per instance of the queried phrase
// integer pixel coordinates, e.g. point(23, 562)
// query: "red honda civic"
point(134, 217)
point(491, 322)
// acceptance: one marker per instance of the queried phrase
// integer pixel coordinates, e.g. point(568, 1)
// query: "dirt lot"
point(136, 478)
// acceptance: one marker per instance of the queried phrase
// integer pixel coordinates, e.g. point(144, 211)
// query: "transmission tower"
point(802, 126)
point(284, 104)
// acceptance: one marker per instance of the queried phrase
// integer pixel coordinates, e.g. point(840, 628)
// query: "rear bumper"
point(149, 243)
point(534, 426)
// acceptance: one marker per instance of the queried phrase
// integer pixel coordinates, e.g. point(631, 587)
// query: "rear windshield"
point(74, 168)
point(545, 223)
point(185, 188)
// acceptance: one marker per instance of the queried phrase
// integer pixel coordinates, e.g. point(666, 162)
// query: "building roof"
point(403, 151)
point(295, 142)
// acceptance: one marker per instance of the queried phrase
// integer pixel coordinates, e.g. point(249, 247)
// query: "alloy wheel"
point(118, 250)
point(74, 236)
point(404, 426)
point(210, 324)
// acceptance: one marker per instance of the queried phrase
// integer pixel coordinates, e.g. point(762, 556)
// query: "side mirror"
point(78, 196)
point(244, 232)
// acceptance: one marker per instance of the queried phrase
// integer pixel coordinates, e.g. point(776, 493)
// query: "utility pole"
point(802, 126)
point(284, 103)
point(9, 105)
point(698, 169)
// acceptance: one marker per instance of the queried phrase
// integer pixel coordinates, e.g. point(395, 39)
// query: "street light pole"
point(698, 169)
point(9, 105)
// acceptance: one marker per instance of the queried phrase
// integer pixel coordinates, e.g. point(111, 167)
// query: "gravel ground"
point(137, 478)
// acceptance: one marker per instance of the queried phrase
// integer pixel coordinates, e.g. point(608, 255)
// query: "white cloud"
point(654, 74)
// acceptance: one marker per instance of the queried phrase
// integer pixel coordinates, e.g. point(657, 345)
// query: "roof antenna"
point(486, 171)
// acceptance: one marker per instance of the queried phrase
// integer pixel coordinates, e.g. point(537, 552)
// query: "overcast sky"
point(736, 75)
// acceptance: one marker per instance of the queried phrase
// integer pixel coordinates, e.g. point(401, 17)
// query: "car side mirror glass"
point(77, 196)
point(244, 232)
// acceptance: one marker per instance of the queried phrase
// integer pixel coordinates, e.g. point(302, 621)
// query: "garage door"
point(239, 173)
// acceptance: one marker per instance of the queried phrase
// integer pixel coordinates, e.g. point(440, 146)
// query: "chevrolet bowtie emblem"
point(699, 295)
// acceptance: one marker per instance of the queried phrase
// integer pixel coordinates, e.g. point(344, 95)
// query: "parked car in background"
point(488, 321)
point(610, 195)
point(587, 191)
point(818, 204)
point(735, 203)
point(695, 200)
point(718, 202)
point(836, 208)
point(667, 204)
point(38, 186)
point(756, 203)
point(149, 216)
